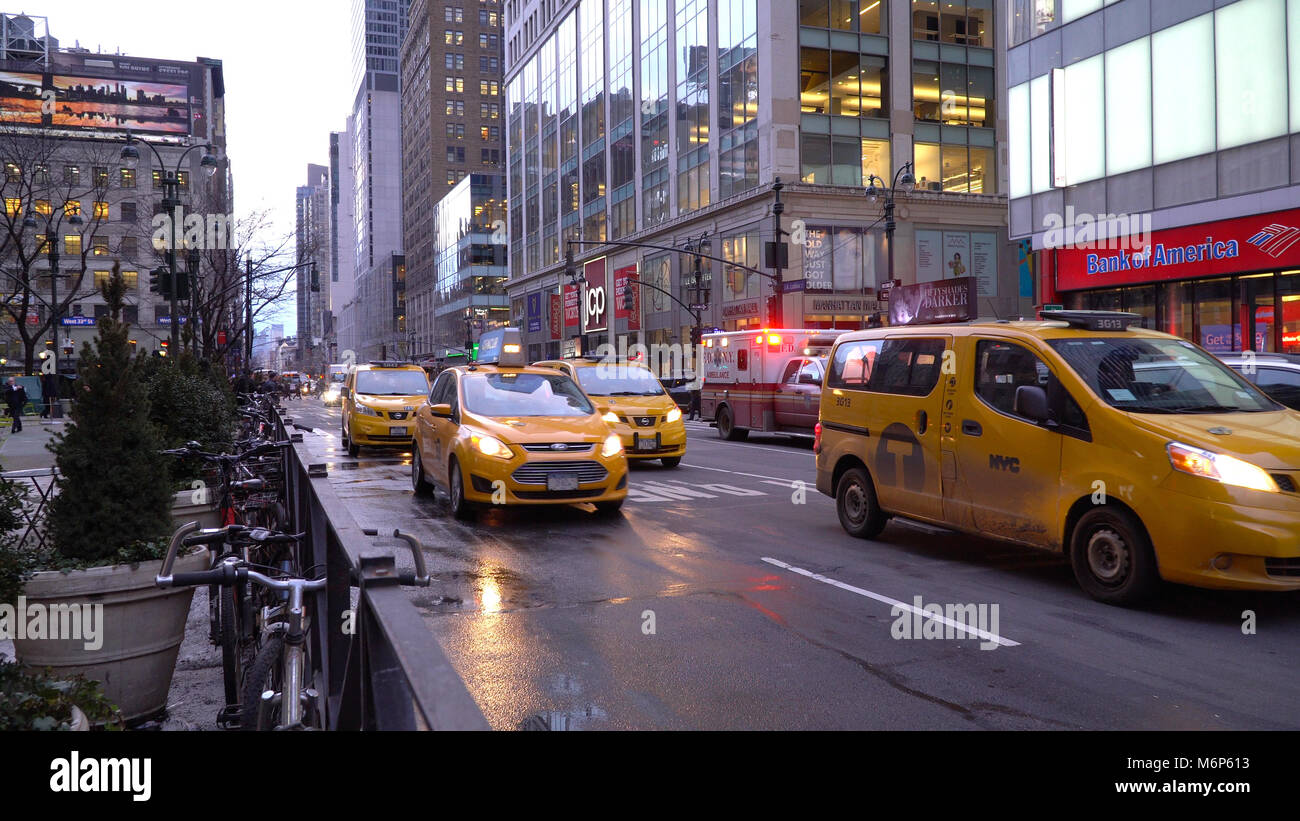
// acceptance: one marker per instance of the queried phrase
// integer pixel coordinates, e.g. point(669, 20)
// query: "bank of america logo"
point(1275, 239)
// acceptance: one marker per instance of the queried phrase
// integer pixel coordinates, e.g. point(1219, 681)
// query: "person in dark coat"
point(15, 397)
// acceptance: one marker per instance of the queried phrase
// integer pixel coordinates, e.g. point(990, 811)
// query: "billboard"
point(83, 102)
point(595, 297)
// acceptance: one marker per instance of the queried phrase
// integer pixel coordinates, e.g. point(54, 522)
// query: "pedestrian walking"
point(15, 397)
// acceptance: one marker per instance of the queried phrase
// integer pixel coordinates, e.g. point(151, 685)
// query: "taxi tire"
point(353, 449)
point(460, 507)
point(1123, 531)
point(670, 461)
point(873, 519)
point(419, 483)
point(727, 426)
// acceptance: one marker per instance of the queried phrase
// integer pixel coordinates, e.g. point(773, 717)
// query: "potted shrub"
point(39, 701)
point(185, 405)
point(108, 525)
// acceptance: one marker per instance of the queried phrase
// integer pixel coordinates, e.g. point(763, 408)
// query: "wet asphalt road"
point(698, 609)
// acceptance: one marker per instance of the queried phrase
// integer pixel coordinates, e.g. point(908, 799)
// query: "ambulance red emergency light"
point(766, 380)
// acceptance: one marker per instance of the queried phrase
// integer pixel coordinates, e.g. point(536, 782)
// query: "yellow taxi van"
point(379, 400)
point(498, 432)
point(635, 404)
point(1136, 453)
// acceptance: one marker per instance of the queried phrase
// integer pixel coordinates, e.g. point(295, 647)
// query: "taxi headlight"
point(1220, 467)
point(611, 418)
point(673, 415)
point(613, 446)
point(490, 446)
point(366, 411)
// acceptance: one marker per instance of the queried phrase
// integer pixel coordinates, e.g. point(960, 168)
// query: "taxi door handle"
point(971, 428)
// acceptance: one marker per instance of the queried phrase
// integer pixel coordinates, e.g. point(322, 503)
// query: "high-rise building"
point(342, 247)
point(668, 123)
point(1154, 153)
point(73, 199)
point(374, 133)
point(314, 253)
point(451, 128)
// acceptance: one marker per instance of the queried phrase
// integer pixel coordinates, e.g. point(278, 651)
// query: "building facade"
point(452, 129)
point(1155, 162)
point(313, 247)
point(667, 124)
point(374, 134)
point(69, 193)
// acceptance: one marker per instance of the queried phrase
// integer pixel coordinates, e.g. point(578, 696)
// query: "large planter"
point(139, 633)
point(185, 509)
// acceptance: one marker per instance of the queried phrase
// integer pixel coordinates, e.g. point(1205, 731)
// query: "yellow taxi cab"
point(634, 403)
point(500, 433)
point(379, 400)
point(1137, 454)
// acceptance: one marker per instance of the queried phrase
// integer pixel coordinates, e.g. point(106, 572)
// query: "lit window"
point(101, 210)
point(72, 245)
point(13, 206)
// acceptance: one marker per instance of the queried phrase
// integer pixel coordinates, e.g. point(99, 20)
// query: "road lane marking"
point(786, 482)
point(788, 452)
point(894, 603)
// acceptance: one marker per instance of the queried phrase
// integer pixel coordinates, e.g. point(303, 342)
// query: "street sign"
point(794, 286)
point(704, 307)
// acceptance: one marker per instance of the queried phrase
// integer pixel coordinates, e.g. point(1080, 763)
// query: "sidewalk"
point(26, 450)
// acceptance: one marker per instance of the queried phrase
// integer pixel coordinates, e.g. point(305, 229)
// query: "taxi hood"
point(1270, 440)
point(529, 429)
point(411, 402)
point(632, 404)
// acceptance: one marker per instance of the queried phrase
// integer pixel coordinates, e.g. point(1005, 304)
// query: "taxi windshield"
point(619, 380)
point(392, 383)
point(524, 394)
point(1160, 376)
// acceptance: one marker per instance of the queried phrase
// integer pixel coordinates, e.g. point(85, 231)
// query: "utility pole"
point(248, 312)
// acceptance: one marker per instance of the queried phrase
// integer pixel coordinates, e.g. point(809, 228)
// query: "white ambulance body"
point(766, 380)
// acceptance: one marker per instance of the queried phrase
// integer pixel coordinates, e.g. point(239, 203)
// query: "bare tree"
point(44, 181)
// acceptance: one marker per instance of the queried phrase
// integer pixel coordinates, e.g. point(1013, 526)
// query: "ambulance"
point(767, 380)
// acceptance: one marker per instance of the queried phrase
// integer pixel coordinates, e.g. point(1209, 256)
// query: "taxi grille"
point(642, 421)
point(398, 414)
point(535, 473)
point(569, 447)
point(1282, 568)
point(1284, 482)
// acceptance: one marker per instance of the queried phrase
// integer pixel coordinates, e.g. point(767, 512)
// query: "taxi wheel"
point(419, 484)
point(727, 426)
point(670, 461)
point(855, 502)
point(1112, 557)
point(460, 508)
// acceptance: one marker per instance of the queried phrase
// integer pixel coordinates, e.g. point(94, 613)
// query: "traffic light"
point(697, 335)
point(160, 282)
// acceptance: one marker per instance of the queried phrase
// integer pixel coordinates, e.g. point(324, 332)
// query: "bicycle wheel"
point(230, 652)
point(267, 673)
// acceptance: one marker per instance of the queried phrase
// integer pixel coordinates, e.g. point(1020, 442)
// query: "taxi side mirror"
point(1031, 403)
point(345, 392)
point(441, 410)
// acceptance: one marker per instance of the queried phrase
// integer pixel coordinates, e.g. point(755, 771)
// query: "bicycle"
point(278, 692)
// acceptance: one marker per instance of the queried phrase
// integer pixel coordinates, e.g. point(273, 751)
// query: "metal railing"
point(377, 665)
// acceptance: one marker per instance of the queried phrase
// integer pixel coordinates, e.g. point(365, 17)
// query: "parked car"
point(1276, 374)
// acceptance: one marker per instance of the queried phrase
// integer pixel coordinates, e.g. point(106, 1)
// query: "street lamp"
point(130, 157)
point(903, 181)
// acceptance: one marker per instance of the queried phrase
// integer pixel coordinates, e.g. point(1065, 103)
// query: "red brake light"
point(817, 438)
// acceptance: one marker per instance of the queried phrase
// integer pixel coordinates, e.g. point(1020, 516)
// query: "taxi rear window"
point(524, 394)
point(909, 367)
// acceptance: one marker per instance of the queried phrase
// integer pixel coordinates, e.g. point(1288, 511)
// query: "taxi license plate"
point(397, 432)
point(562, 481)
point(647, 444)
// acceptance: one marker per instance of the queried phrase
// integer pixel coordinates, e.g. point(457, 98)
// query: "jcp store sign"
point(596, 296)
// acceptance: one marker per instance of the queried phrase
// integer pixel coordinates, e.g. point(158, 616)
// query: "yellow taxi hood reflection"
point(391, 402)
point(1270, 440)
point(634, 403)
point(529, 429)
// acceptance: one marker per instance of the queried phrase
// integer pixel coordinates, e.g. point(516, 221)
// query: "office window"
point(455, 108)
point(71, 208)
point(489, 87)
point(41, 174)
point(157, 179)
point(455, 153)
point(842, 82)
point(72, 245)
point(183, 180)
point(101, 210)
point(849, 15)
point(126, 247)
point(491, 156)
point(454, 85)
point(127, 178)
point(128, 211)
point(100, 174)
point(99, 246)
point(44, 208)
point(71, 175)
point(13, 206)
point(491, 111)
point(489, 64)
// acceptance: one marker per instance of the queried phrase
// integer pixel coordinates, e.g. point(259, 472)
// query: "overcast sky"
point(287, 74)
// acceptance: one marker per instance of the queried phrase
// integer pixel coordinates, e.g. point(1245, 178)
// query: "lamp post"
point(52, 253)
point(903, 181)
point(170, 202)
